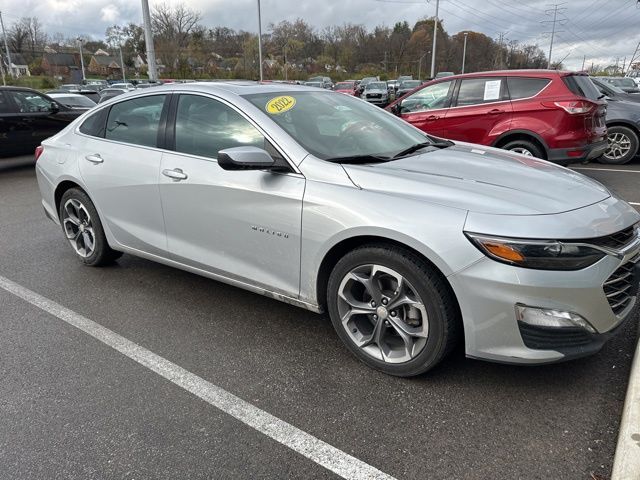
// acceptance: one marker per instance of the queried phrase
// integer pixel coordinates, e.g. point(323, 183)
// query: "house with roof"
point(60, 64)
point(140, 63)
point(104, 64)
point(19, 66)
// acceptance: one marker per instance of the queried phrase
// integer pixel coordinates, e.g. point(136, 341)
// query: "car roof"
point(11, 87)
point(543, 73)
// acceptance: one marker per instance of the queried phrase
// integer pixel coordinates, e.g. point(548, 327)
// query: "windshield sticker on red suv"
point(280, 104)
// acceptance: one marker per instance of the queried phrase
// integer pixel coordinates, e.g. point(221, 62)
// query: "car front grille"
point(374, 95)
point(620, 288)
point(615, 240)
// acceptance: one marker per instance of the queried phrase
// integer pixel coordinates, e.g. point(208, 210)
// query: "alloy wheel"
point(522, 151)
point(382, 313)
point(619, 146)
point(78, 228)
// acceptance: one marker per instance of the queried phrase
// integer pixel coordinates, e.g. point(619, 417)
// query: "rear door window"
point(136, 121)
point(521, 87)
point(581, 85)
point(476, 91)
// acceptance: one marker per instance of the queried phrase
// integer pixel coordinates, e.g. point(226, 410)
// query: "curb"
point(626, 463)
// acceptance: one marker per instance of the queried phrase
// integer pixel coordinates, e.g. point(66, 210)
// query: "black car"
point(27, 117)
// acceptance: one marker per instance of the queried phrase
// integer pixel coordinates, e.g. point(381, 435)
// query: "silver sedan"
point(410, 243)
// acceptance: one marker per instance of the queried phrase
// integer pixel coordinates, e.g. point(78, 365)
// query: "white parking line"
point(304, 443)
point(633, 203)
point(606, 169)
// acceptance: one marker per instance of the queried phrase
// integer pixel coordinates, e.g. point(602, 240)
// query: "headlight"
point(537, 254)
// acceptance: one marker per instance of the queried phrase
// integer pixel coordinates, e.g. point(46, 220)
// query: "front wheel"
point(83, 229)
point(622, 146)
point(392, 310)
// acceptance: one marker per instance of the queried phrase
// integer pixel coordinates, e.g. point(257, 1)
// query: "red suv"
point(558, 116)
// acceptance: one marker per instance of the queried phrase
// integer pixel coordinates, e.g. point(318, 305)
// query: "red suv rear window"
point(582, 85)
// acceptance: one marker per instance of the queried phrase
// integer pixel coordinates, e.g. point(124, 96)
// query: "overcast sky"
point(600, 29)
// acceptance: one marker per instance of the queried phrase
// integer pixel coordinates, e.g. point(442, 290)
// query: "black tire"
point(527, 145)
point(618, 131)
point(102, 253)
point(444, 324)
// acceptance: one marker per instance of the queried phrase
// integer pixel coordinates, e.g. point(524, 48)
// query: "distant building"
point(105, 65)
point(140, 63)
point(60, 64)
point(19, 66)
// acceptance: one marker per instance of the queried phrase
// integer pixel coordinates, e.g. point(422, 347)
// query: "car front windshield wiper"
point(419, 146)
point(359, 159)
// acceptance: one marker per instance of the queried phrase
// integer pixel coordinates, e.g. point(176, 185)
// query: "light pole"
point(435, 36)
point(122, 65)
point(152, 71)
point(284, 53)
point(420, 63)
point(260, 39)
point(464, 50)
point(81, 60)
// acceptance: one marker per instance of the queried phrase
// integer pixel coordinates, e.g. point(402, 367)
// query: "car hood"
point(483, 180)
point(376, 90)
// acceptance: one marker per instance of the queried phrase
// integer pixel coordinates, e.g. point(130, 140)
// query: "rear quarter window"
point(94, 125)
point(582, 85)
point(520, 87)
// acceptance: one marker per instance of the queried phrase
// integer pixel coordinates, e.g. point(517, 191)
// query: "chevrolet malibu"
point(409, 242)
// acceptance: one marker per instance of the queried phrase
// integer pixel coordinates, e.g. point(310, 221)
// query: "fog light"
point(544, 317)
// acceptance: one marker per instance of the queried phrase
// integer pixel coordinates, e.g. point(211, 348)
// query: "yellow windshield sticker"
point(280, 104)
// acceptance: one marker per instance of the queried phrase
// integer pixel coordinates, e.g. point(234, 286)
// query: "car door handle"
point(495, 111)
point(95, 158)
point(431, 118)
point(175, 174)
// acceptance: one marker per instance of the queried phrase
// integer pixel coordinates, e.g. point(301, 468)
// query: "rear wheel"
point(623, 146)
point(524, 147)
point(392, 310)
point(83, 229)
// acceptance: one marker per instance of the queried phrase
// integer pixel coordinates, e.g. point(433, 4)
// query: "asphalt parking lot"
point(73, 407)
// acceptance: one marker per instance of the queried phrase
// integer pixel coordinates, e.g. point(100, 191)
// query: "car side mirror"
point(244, 158)
point(54, 107)
point(396, 109)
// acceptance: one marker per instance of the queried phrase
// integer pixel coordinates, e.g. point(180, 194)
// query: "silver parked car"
point(376, 93)
point(411, 243)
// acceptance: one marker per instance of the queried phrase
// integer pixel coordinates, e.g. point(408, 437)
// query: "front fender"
point(434, 231)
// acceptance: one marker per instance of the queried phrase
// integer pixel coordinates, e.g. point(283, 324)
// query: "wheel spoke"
point(369, 285)
point(407, 339)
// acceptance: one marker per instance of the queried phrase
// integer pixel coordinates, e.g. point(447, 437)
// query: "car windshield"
point(313, 84)
point(344, 86)
point(410, 84)
point(376, 86)
point(608, 86)
point(624, 82)
point(76, 101)
point(337, 127)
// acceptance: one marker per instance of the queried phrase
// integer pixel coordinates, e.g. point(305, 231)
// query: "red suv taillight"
point(572, 107)
point(39, 151)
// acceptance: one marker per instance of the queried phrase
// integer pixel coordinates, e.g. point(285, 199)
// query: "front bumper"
point(377, 101)
point(565, 156)
point(487, 292)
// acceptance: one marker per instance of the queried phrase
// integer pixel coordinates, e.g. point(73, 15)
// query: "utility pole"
point(122, 64)
point(420, 64)
point(584, 59)
point(6, 46)
point(152, 69)
point(624, 64)
point(260, 39)
point(81, 60)
point(556, 9)
point(435, 37)
point(284, 49)
point(4, 81)
point(464, 50)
